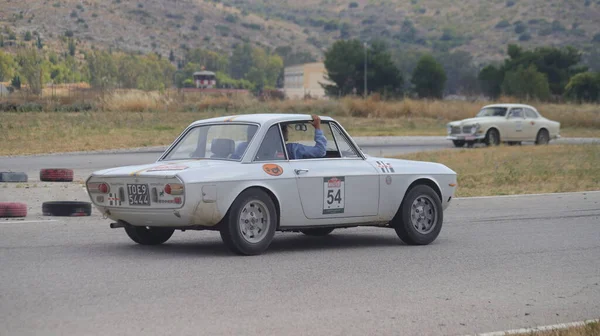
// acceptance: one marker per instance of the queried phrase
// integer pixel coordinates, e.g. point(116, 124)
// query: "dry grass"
point(590, 329)
point(507, 170)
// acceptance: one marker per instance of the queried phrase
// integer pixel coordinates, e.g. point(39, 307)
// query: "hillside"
point(481, 27)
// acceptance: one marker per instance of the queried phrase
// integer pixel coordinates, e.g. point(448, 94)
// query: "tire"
point(542, 138)
point(13, 177)
point(12, 209)
point(239, 233)
point(408, 228)
point(148, 235)
point(319, 232)
point(67, 208)
point(492, 137)
point(56, 175)
point(470, 144)
point(458, 143)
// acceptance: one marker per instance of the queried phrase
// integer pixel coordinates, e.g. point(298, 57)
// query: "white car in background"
point(508, 123)
point(204, 182)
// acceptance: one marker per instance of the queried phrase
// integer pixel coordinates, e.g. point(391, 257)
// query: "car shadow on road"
point(283, 242)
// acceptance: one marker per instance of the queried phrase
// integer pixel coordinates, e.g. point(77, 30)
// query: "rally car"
point(237, 175)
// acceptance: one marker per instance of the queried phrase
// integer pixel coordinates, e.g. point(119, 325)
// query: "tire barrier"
point(67, 208)
point(56, 175)
point(13, 177)
point(12, 209)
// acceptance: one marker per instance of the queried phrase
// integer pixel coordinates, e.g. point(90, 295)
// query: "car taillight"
point(99, 187)
point(174, 189)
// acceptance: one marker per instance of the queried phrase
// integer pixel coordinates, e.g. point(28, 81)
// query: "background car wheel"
point(458, 143)
point(419, 220)
point(317, 232)
point(492, 138)
point(148, 235)
point(543, 138)
point(470, 144)
point(250, 223)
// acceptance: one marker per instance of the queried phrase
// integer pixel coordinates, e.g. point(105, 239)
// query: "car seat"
point(222, 148)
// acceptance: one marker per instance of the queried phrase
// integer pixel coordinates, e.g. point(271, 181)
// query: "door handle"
point(298, 171)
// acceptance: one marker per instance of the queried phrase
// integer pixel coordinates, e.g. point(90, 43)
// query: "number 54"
point(331, 197)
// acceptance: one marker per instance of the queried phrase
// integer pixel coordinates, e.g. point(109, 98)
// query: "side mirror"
point(300, 127)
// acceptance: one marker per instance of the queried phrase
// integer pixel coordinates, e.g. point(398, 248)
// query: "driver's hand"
point(316, 121)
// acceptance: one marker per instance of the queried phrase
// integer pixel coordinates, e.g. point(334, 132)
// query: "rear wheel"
point(317, 232)
point(148, 235)
point(250, 223)
point(419, 220)
point(458, 143)
point(543, 138)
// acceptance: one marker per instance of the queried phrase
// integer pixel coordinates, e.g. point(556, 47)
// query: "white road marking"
point(528, 195)
point(31, 221)
point(541, 328)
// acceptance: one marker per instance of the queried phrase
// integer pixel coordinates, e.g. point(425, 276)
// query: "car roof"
point(260, 118)
point(510, 105)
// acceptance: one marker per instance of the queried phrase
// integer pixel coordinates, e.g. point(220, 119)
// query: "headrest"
point(222, 148)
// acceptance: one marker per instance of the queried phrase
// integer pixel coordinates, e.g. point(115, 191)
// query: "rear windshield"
point(219, 142)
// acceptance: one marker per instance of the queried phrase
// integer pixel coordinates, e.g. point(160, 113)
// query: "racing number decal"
point(333, 195)
point(519, 126)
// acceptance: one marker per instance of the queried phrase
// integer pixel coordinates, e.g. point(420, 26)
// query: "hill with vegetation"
point(303, 30)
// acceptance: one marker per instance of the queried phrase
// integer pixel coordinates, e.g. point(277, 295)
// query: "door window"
point(530, 114)
point(271, 149)
point(343, 146)
point(516, 113)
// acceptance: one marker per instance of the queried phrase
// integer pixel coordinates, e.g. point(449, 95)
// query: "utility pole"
point(365, 74)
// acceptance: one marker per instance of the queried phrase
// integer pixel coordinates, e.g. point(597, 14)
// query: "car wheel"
point(148, 235)
point(419, 220)
point(317, 232)
point(470, 144)
point(250, 224)
point(542, 137)
point(492, 138)
point(458, 143)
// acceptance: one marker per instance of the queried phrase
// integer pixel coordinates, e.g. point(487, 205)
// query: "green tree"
point(16, 82)
point(429, 78)
point(241, 61)
point(490, 80)
point(7, 66)
point(461, 72)
point(345, 64)
point(71, 45)
point(27, 36)
point(526, 83)
point(31, 66)
point(584, 87)
point(102, 69)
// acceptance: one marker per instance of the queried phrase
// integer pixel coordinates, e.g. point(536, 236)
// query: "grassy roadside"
point(507, 170)
point(51, 132)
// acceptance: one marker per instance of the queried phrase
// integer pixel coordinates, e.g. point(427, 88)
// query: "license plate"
point(138, 194)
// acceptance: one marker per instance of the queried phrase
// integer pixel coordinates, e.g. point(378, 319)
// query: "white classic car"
point(238, 175)
point(509, 123)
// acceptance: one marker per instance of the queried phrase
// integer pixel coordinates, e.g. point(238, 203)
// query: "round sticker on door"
point(272, 169)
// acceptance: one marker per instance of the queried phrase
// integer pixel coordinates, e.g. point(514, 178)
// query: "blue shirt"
point(299, 151)
point(295, 150)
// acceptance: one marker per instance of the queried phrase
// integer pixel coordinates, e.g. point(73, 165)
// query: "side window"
point(516, 113)
point(530, 114)
point(271, 148)
point(346, 150)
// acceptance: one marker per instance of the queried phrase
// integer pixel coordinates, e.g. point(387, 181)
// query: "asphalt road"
point(499, 263)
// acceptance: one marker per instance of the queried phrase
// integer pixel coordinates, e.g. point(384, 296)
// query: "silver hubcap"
point(423, 215)
point(254, 221)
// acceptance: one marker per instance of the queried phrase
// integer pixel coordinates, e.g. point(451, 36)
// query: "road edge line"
point(551, 327)
point(528, 195)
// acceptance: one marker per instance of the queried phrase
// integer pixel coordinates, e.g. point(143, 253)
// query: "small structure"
point(304, 80)
point(205, 79)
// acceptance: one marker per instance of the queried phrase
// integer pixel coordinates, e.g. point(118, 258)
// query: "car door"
point(340, 185)
point(514, 125)
point(532, 124)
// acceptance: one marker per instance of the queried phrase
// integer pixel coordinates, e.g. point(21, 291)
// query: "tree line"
point(544, 73)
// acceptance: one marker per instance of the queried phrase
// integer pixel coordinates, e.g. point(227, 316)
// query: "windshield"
point(492, 112)
point(219, 142)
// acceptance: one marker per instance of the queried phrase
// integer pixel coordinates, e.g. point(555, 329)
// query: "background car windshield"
point(492, 112)
point(220, 142)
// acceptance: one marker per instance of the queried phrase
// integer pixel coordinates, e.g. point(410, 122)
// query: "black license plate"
point(138, 194)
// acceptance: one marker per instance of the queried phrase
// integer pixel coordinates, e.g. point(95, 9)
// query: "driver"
point(299, 151)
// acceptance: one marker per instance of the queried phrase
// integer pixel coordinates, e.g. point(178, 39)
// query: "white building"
point(304, 80)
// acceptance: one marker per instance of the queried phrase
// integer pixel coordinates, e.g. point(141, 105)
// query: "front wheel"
point(458, 143)
point(317, 232)
point(419, 220)
point(492, 138)
point(250, 224)
point(148, 235)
